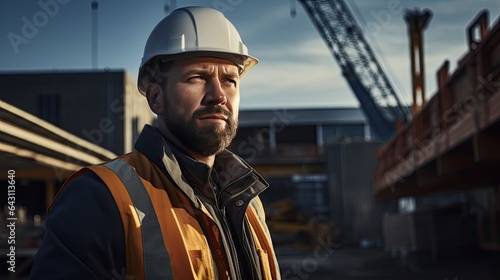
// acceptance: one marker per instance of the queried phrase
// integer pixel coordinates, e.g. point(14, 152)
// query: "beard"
point(207, 140)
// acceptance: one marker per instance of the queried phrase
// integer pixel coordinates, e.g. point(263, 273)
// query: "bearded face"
point(201, 103)
point(208, 139)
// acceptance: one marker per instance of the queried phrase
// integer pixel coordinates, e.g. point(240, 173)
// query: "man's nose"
point(215, 95)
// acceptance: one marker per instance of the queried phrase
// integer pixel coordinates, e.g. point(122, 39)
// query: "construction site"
point(385, 190)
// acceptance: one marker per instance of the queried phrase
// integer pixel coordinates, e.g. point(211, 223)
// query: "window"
point(335, 132)
point(297, 135)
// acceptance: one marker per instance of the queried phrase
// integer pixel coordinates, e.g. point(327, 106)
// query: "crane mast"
point(358, 64)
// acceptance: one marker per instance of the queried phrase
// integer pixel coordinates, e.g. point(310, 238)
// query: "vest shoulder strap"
point(145, 250)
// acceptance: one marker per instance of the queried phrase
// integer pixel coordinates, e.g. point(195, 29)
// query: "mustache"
point(212, 110)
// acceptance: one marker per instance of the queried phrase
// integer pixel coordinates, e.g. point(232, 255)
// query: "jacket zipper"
point(246, 248)
point(227, 232)
point(246, 244)
point(232, 247)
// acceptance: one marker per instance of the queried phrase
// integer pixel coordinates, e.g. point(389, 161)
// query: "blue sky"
point(296, 68)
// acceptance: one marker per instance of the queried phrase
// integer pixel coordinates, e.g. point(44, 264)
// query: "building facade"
point(103, 107)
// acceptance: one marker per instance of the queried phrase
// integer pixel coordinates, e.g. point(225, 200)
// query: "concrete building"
point(103, 107)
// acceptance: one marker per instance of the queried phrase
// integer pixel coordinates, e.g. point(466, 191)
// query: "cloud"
point(302, 74)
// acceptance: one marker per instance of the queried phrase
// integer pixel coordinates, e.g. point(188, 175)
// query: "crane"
point(358, 64)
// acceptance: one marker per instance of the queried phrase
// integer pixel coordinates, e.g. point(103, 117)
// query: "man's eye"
point(231, 81)
point(195, 78)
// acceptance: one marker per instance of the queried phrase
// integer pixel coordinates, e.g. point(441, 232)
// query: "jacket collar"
point(233, 175)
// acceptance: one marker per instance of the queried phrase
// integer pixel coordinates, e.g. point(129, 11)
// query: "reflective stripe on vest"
point(156, 259)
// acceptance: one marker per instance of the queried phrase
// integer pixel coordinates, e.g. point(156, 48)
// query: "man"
point(180, 206)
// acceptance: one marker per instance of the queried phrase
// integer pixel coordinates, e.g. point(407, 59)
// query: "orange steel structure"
point(454, 141)
point(417, 22)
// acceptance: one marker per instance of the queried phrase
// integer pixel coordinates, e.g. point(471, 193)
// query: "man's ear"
point(154, 95)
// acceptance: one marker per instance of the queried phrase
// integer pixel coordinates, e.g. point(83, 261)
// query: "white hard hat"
point(193, 32)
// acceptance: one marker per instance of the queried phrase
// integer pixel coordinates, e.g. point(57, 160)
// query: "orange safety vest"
point(163, 236)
